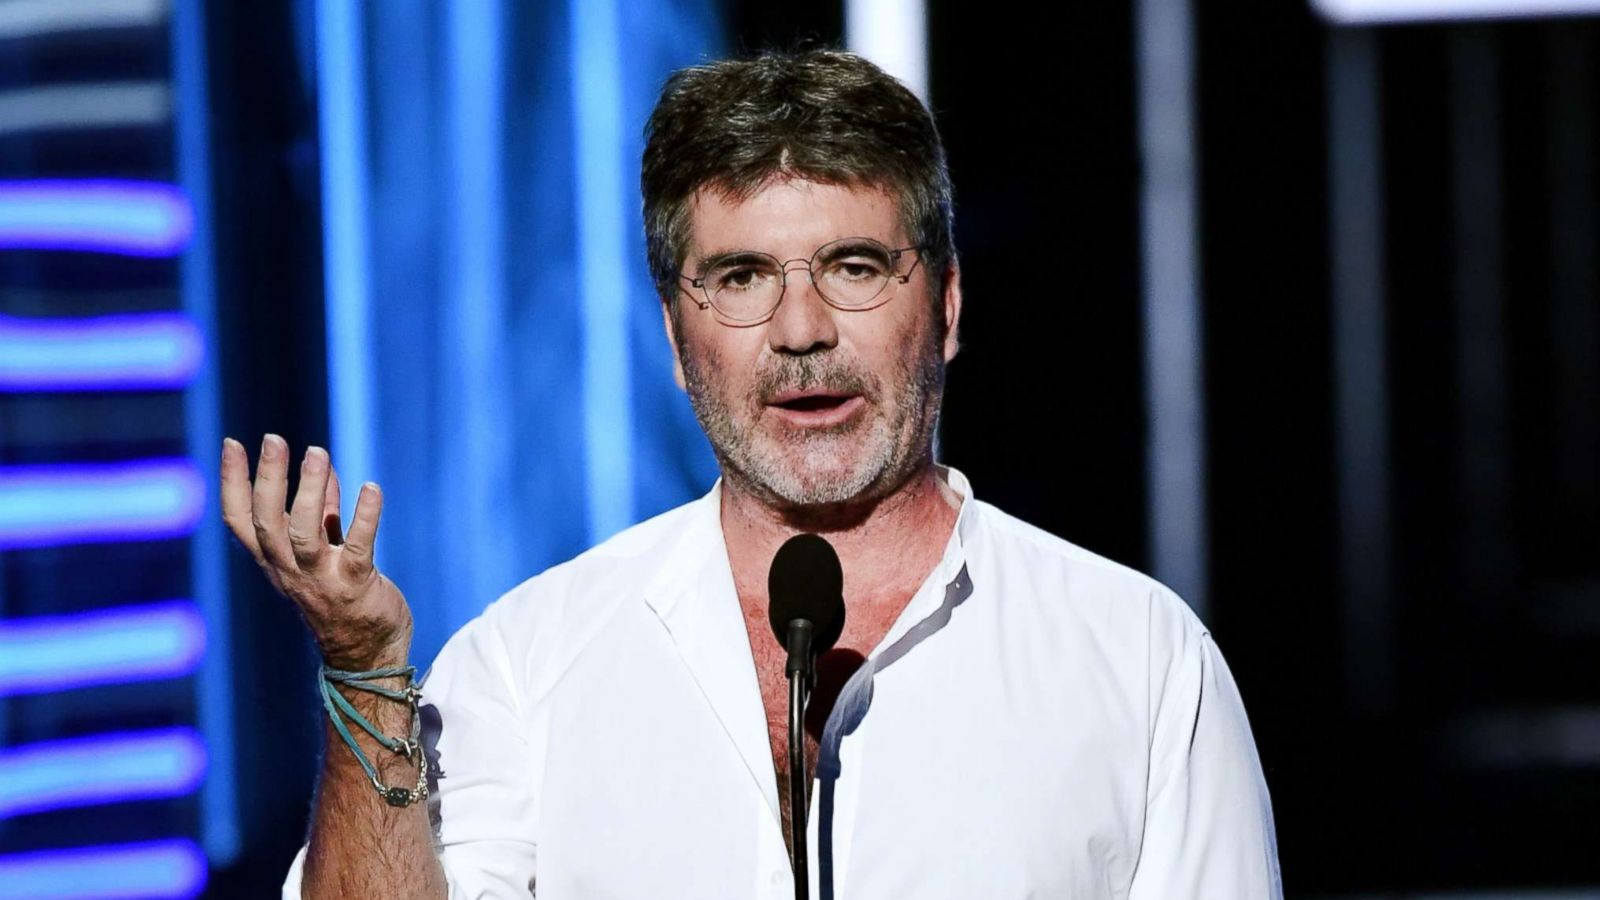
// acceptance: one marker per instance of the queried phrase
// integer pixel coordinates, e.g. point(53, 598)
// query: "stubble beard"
point(855, 461)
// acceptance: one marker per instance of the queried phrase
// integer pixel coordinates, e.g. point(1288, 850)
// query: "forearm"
point(360, 846)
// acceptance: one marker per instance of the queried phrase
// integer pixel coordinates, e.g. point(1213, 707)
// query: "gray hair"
point(825, 115)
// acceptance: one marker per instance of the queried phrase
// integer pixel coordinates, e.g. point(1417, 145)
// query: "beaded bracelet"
point(409, 747)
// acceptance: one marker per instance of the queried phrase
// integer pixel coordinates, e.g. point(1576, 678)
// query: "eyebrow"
point(728, 256)
point(852, 244)
point(857, 245)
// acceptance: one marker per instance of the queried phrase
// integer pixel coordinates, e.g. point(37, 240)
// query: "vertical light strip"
point(1482, 405)
point(894, 35)
point(475, 315)
point(203, 414)
point(1572, 139)
point(602, 263)
point(346, 252)
point(1361, 401)
point(1169, 209)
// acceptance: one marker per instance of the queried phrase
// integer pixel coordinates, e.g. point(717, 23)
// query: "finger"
point(364, 529)
point(306, 536)
point(236, 495)
point(330, 508)
point(267, 502)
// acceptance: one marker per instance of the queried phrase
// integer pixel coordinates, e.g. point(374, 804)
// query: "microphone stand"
point(802, 672)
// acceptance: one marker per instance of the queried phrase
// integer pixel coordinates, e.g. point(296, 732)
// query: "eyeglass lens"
point(849, 273)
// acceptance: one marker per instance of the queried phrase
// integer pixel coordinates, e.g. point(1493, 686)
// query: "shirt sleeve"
point(481, 798)
point(1208, 832)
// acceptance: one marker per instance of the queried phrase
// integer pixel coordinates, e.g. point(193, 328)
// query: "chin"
point(826, 478)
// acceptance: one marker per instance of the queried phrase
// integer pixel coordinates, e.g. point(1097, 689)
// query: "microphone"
point(805, 592)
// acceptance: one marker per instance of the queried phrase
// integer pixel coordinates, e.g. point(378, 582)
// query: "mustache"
point(832, 374)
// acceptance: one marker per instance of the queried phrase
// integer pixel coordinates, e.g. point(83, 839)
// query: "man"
point(1024, 718)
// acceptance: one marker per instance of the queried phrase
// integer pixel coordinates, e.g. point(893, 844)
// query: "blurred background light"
point(149, 351)
point(191, 74)
point(346, 242)
point(153, 870)
point(603, 263)
point(33, 18)
point(483, 250)
point(66, 503)
point(59, 107)
point(116, 646)
point(109, 768)
point(894, 35)
point(1172, 299)
point(1379, 11)
point(104, 216)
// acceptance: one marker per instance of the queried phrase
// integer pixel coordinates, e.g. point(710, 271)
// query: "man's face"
point(816, 405)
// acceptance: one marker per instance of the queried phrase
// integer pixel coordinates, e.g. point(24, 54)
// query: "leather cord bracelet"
point(409, 747)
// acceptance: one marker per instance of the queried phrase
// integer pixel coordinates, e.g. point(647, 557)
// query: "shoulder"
point(1059, 573)
point(541, 623)
point(628, 559)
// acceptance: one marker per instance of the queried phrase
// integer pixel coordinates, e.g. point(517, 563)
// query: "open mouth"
point(814, 403)
point(816, 409)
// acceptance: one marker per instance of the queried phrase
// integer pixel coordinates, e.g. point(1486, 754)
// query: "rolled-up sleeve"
point(482, 803)
point(1209, 832)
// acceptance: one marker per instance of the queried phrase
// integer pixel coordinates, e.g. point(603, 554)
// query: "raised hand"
point(358, 617)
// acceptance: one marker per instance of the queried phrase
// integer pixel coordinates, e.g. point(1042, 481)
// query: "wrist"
point(365, 657)
point(379, 724)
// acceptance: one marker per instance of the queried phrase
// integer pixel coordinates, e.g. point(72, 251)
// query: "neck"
point(886, 545)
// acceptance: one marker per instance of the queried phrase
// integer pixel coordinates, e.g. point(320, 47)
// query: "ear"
point(672, 341)
point(952, 311)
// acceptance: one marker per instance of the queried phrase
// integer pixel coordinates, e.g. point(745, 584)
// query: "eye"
point(739, 278)
point(856, 268)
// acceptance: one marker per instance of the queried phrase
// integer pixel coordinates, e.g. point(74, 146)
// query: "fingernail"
point(316, 458)
point(269, 446)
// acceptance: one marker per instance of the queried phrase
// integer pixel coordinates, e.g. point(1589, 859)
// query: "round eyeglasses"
point(744, 287)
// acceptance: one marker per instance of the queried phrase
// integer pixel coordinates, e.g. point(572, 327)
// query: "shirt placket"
point(834, 811)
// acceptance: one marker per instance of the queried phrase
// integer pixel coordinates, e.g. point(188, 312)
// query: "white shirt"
point(1039, 722)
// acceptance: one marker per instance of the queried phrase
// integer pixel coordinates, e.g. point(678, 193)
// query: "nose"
point(803, 321)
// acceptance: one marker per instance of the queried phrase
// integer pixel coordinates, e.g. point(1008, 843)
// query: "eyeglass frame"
point(783, 269)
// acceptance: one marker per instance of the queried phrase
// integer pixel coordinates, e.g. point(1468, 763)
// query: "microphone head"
point(806, 582)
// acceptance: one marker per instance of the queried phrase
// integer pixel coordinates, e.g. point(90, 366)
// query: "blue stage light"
point(158, 869)
point(128, 644)
point(109, 768)
point(93, 105)
point(49, 505)
point(39, 18)
point(603, 202)
point(208, 547)
point(347, 243)
point(154, 351)
point(132, 218)
point(1369, 12)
